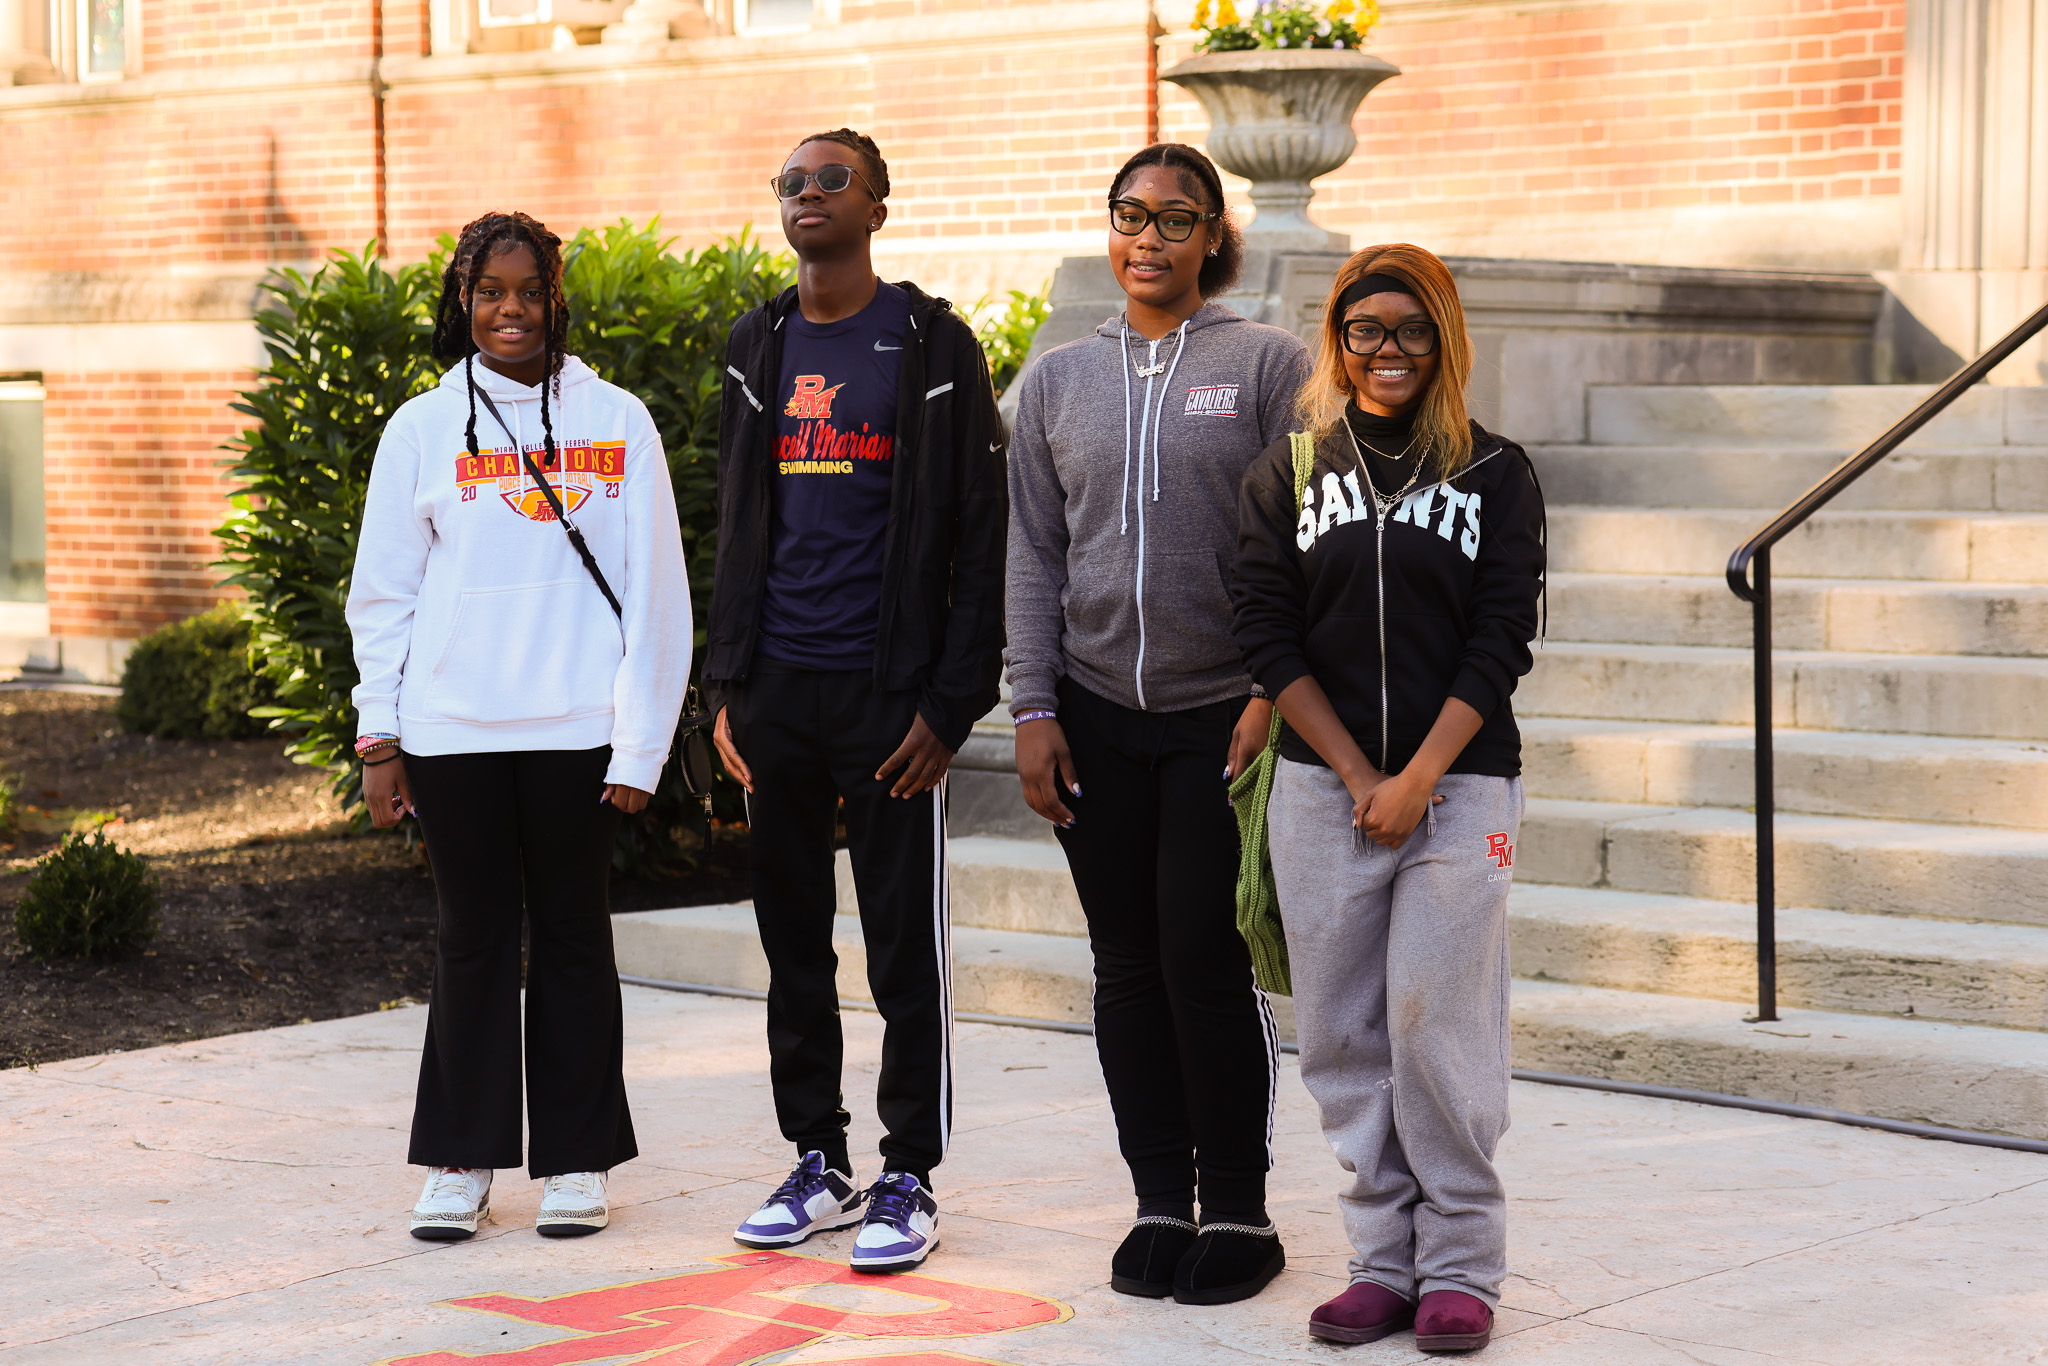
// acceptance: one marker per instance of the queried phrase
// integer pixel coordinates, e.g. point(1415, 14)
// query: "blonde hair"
point(1440, 423)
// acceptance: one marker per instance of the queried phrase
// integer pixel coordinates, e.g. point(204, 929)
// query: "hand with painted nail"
point(1046, 768)
point(627, 799)
point(1248, 737)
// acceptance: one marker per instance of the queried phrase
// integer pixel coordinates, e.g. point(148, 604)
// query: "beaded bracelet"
point(1040, 715)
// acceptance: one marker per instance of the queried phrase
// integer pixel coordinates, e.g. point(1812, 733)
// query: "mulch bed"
point(273, 912)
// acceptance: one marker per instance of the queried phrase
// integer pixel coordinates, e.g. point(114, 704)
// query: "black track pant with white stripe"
point(813, 738)
point(1186, 1039)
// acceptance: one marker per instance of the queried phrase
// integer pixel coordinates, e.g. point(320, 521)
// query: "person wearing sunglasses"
point(854, 639)
point(1389, 611)
point(1133, 709)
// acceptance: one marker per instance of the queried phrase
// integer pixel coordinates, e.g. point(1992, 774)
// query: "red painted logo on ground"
point(1500, 851)
point(750, 1309)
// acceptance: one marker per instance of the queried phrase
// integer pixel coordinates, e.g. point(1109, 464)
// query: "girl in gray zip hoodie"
point(1125, 462)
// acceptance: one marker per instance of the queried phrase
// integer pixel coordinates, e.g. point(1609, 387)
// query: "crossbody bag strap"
point(561, 515)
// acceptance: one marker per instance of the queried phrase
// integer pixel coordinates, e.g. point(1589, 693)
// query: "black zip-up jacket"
point(941, 629)
point(1393, 613)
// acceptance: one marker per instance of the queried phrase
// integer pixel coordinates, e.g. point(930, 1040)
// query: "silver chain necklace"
point(1382, 506)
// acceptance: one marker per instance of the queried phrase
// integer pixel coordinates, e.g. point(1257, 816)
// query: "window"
point(103, 39)
point(775, 16)
point(21, 492)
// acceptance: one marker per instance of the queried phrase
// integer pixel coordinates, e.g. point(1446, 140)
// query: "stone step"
point(1825, 773)
point(1960, 872)
point(1839, 416)
point(997, 884)
point(1966, 1076)
point(1961, 1076)
point(1896, 616)
point(1827, 960)
point(1959, 547)
point(1980, 479)
point(1959, 695)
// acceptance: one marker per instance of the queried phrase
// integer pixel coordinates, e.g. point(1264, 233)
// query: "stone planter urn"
point(1280, 118)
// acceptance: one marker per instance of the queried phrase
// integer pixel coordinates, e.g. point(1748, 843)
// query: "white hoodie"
point(476, 626)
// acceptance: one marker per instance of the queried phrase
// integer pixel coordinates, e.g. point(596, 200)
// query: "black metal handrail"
point(1756, 553)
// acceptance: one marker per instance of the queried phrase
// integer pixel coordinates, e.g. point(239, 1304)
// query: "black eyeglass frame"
point(811, 178)
point(1200, 216)
point(1435, 336)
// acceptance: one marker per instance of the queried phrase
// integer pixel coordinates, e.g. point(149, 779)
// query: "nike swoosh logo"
point(880, 347)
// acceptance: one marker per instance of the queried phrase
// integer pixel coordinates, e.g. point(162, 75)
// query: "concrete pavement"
point(243, 1199)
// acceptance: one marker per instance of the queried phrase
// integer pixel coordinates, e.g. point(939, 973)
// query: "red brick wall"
point(1502, 111)
point(187, 180)
point(981, 140)
point(132, 473)
point(183, 34)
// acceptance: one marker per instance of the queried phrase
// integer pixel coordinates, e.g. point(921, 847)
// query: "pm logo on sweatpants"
point(1500, 851)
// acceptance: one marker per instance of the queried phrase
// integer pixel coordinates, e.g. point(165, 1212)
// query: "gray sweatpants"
point(1400, 966)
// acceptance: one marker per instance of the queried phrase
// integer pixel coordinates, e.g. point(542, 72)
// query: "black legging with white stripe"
point(1186, 1039)
point(812, 737)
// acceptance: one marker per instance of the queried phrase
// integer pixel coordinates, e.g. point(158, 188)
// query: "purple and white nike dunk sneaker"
point(814, 1198)
point(901, 1228)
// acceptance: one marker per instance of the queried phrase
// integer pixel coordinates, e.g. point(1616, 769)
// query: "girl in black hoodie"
point(1389, 610)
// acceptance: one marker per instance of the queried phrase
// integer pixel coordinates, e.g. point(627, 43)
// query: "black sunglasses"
point(1130, 218)
point(831, 179)
point(1366, 338)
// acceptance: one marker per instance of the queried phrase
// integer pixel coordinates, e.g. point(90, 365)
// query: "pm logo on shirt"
point(811, 399)
point(1212, 400)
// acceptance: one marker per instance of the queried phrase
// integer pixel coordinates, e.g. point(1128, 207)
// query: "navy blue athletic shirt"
point(835, 448)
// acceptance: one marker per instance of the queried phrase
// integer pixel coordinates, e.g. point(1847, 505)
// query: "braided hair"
point(878, 169)
point(454, 338)
point(1197, 174)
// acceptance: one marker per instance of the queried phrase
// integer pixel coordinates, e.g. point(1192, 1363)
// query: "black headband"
point(1368, 285)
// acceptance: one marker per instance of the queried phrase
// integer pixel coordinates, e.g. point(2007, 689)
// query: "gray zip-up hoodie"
point(1125, 463)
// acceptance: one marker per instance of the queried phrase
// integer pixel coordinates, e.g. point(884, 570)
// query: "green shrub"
point(192, 680)
point(10, 808)
point(348, 345)
point(1006, 333)
point(89, 898)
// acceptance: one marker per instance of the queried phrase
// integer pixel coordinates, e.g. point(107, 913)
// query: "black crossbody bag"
point(696, 745)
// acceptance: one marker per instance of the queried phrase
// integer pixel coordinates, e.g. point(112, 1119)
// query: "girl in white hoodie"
point(523, 650)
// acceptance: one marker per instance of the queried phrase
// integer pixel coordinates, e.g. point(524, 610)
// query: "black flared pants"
point(521, 836)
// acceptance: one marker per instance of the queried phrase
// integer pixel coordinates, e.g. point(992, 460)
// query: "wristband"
point(1040, 715)
point(374, 740)
point(373, 763)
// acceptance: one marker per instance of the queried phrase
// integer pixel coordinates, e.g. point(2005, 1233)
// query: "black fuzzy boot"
point(1145, 1261)
point(1229, 1262)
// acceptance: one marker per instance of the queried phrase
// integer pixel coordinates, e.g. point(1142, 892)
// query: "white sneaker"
point(572, 1205)
point(455, 1201)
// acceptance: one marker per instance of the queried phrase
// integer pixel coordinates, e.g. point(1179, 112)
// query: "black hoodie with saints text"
point(1393, 604)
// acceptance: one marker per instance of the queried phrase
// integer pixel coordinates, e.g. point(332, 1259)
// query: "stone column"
point(1973, 257)
point(24, 43)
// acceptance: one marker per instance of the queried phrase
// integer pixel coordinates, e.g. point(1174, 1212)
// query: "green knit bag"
point(1258, 904)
